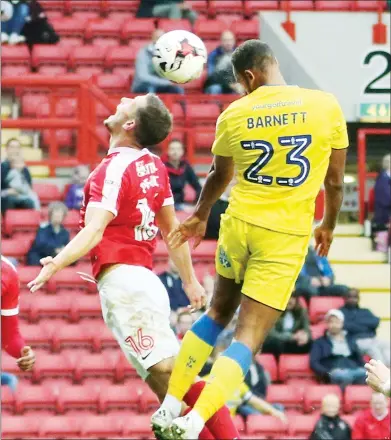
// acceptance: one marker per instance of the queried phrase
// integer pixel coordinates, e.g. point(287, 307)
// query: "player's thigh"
point(232, 251)
point(275, 262)
point(135, 306)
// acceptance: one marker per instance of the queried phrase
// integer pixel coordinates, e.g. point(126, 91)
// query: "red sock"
point(205, 433)
point(221, 424)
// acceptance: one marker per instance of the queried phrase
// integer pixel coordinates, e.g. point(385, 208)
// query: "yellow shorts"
point(267, 262)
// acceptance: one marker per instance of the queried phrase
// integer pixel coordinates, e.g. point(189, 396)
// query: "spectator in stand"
point(218, 209)
point(220, 78)
point(317, 278)
point(361, 324)
point(335, 356)
point(184, 322)
point(173, 284)
point(146, 80)
point(374, 422)
point(52, 237)
point(180, 173)
point(11, 30)
point(74, 196)
point(174, 9)
point(291, 334)
point(330, 425)
point(9, 380)
point(16, 182)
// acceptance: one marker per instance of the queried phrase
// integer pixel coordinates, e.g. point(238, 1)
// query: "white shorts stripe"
point(10, 312)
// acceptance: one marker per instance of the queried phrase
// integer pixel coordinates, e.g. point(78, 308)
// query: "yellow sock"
point(192, 356)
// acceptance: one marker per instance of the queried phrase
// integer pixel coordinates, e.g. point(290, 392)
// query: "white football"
point(6, 11)
point(179, 56)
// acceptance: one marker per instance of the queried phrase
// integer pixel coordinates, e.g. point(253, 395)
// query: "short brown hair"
point(153, 122)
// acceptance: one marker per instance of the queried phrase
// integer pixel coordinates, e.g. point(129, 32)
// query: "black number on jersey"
point(294, 157)
point(369, 88)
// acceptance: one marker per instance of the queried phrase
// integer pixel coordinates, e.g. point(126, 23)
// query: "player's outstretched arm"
point(334, 196)
point(167, 221)
point(96, 221)
point(378, 377)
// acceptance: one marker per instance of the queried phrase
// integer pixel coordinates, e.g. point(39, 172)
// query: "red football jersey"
point(134, 186)
point(9, 288)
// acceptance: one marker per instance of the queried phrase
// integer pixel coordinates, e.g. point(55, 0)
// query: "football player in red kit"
point(127, 199)
point(11, 339)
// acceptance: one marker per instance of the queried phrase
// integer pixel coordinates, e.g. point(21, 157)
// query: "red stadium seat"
point(204, 139)
point(148, 400)
point(178, 113)
point(121, 5)
point(87, 55)
point(239, 424)
point(210, 29)
point(53, 366)
point(228, 19)
point(71, 41)
point(66, 278)
point(69, 27)
point(289, 396)
point(268, 362)
point(314, 394)
point(138, 28)
point(349, 419)
point(335, 5)
point(125, 72)
point(25, 220)
point(19, 427)
point(190, 194)
point(103, 426)
point(50, 306)
point(202, 113)
point(52, 70)
point(39, 336)
point(72, 220)
point(25, 302)
point(86, 306)
point(357, 397)
point(77, 397)
point(228, 6)
point(84, 5)
point(99, 334)
point(10, 71)
point(86, 16)
point(44, 54)
point(302, 425)
point(16, 247)
point(196, 86)
point(47, 192)
point(15, 55)
point(31, 101)
point(97, 365)
point(112, 83)
point(139, 428)
point(320, 305)
point(246, 29)
point(167, 24)
point(317, 331)
point(294, 366)
point(119, 397)
point(89, 71)
point(120, 17)
point(254, 6)
point(120, 56)
point(371, 5)
point(64, 137)
point(268, 426)
point(34, 397)
point(7, 399)
point(54, 5)
point(61, 427)
point(102, 28)
point(71, 335)
point(300, 5)
point(105, 42)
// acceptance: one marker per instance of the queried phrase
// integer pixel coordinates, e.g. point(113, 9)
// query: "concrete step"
point(351, 229)
point(363, 276)
point(379, 303)
point(383, 331)
point(352, 249)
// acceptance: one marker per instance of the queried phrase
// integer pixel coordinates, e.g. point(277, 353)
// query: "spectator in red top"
point(11, 339)
point(374, 422)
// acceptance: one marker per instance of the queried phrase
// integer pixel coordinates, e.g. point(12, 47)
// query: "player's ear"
point(129, 125)
point(249, 75)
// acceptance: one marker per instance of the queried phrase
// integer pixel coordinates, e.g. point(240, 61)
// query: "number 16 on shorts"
point(141, 343)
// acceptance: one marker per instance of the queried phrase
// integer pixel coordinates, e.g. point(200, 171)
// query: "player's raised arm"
point(167, 221)
point(96, 221)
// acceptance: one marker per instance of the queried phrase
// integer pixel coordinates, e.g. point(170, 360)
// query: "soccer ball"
point(6, 11)
point(179, 56)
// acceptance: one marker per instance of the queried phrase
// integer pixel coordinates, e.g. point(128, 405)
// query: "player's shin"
point(227, 374)
point(197, 345)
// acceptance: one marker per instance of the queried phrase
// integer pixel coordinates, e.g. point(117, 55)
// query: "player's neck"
point(120, 141)
point(275, 78)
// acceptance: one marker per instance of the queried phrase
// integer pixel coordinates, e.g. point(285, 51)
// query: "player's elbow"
point(334, 184)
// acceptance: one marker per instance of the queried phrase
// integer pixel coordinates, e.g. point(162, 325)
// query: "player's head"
point(175, 150)
point(352, 298)
point(253, 62)
point(331, 405)
point(143, 121)
point(378, 404)
point(228, 41)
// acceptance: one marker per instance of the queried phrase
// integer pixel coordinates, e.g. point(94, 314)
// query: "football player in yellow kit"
point(284, 142)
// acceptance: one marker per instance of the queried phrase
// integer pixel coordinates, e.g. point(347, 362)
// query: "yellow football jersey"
point(280, 138)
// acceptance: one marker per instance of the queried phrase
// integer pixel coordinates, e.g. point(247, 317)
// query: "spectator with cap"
point(362, 324)
point(330, 425)
point(374, 422)
point(335, 356)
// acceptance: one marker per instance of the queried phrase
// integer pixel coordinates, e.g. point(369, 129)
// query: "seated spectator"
point(374, 422)
point(291, 334)
point(335, 356)
point(16, 182)
point(382, 194)
point(37, 29)
point(52, 237)
point(173, 284)
point(317, 278)
point(10, 380)
point(218, 209)
point(180, 173)
point(184, 322)
point(11, 30)
point(174, 9)
point(220, 78)
point(146, 79)
point(75, 193)
point(330, 425)
point(361, 324)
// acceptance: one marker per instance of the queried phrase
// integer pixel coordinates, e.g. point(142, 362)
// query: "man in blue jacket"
point(335, 356)
point(361, 324)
